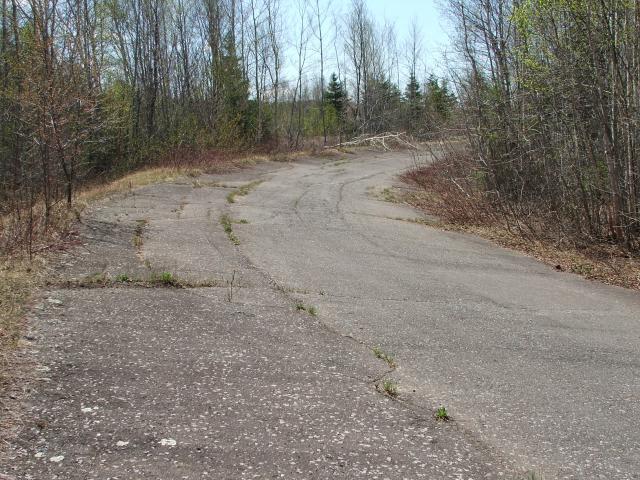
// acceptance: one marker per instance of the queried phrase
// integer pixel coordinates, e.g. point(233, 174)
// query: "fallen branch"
point(378, 141)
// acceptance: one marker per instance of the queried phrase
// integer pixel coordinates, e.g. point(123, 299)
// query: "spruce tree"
point(414, 104)
point(336, 95)
point(439, 100)
point(234, 120)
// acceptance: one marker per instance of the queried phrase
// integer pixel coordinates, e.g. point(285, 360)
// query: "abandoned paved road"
point(539, 369)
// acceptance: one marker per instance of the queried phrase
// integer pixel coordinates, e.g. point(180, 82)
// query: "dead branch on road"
point(385, 141)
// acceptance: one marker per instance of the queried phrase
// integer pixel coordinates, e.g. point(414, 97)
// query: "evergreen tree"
point(414, 105)
point(439, 100)
point(336, 95)
point(234, 120)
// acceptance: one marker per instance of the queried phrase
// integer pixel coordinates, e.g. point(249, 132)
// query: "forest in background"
point(547, 94)
point(92, 89)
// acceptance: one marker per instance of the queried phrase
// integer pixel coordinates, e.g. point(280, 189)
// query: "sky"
point(401, 13)
point(430, 19)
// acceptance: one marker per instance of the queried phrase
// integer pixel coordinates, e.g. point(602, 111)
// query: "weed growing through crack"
point(310, 309)
point(137, 241)
point(231, 284)
point(388, 196)
point(533, 475)
point(155, 280)
point(168, 279)
point(390, 388)
point(95, 279)
point(242, 191)
point(387, 357)
point(442, 414)
point(138, 233)
point(227, 224)
point(164, 278)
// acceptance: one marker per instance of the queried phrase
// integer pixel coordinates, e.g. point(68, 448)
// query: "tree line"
point(93, 88)
point(550, 91)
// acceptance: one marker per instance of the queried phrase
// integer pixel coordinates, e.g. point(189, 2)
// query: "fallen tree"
point(385, 141)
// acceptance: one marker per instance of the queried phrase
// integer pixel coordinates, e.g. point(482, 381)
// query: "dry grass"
point(18, 279)
point(190, 164)
point(135, 180)
point(466, 210)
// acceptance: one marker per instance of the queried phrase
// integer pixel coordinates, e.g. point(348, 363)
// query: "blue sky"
point(430, 20)
point(429, 17)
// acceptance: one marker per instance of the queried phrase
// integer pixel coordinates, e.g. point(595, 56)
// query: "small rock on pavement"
point(57, 459)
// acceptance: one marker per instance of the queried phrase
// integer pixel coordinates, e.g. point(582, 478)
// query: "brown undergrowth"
point(449, 191)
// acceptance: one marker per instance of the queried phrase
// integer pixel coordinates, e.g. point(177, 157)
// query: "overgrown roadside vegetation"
point(18, 278)
point(452, 188)
point(550, 117)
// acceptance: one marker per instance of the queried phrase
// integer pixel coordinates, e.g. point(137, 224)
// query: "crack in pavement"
point(179, 383)
point(475, 325)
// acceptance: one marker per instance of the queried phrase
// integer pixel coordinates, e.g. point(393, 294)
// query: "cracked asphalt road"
point(539, 369)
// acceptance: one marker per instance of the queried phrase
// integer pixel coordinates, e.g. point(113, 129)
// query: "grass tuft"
point(388, 196)
point(442, 414)
point(387, 357)
point(96, 279)
point(242, 191)
point(166, 279)
point(123, 278)
point(227, 224)
point(390, 387)
point(156, 279)
point(310, 309)
point(138, 233)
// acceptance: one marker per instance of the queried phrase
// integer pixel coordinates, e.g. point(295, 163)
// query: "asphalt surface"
point(539, 369)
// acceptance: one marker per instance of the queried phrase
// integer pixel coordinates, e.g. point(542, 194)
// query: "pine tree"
point(234, 120)
point(439, 100)
point(336, 95)
point(414, 104)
